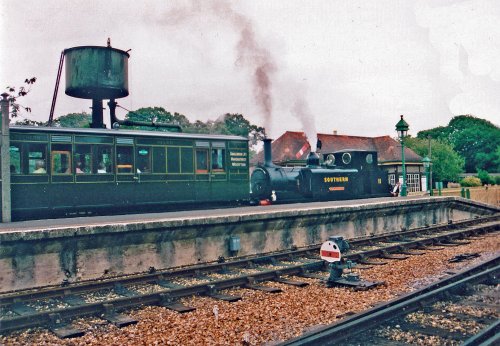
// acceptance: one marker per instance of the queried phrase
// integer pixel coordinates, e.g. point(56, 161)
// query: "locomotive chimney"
point(268, 156)
point(313, 159)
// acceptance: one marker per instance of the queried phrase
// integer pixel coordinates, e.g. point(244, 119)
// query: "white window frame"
point(413, 182)
point(392, 179)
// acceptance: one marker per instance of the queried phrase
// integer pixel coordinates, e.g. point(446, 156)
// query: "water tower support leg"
point(97, 114)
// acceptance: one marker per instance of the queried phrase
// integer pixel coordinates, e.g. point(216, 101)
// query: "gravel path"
point(263, 318)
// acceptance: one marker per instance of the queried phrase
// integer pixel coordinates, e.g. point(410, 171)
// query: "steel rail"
point(337, 333)
point(163, 296)
point(442, 239)
point(191, 271)
point(488, 336)
point(168, 294)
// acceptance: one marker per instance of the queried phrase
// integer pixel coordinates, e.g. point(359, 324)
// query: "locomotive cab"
point(352, 159)
point(344, 174)
point(372, 181)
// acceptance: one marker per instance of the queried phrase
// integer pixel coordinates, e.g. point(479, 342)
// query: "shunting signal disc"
point(330, 252)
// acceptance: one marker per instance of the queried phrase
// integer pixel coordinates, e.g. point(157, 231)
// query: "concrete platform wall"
point(43, 257)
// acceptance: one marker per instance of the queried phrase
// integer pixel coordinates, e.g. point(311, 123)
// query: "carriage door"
point(62, 187)
point(210, 171)
point(127, 177)
point(143, 165)
point(202, 170)
point(218, 173)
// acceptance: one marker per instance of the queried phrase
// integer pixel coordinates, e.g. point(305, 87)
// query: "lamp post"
point(430, 166)
point(427, 164)
point(402, 129)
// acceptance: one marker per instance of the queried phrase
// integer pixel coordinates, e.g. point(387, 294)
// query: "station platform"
point(50, 252)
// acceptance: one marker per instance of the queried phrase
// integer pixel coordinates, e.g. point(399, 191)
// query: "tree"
point(485, 177)
point(228, 124)
point(446, 163)
point(157, 115)
point(479, 148)
point(75, 120)
point(476, 140)
point(236, 124)
point(198, 127)
point(29, 122)
point(21, 92)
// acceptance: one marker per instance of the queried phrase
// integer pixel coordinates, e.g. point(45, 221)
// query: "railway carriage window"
point(61, 158)
point(124, 160)
point(346, 158)
point(369, 158)
point(15, 159)
point(103, 159)
point(187, 162)
point(159, 160)
point(37, 158)
point(218, 160)
point(173, 160)
point(83, 159)
point(143, 159)
point(201, 160)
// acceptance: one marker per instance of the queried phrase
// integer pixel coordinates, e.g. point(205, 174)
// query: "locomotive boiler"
point(339, 175)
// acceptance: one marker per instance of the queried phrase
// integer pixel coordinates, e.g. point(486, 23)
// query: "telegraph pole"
point(5, 159)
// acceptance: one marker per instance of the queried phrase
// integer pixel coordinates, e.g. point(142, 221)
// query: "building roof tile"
point(294, 146)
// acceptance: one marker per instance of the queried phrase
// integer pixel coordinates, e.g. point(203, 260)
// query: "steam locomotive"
point(345, 174)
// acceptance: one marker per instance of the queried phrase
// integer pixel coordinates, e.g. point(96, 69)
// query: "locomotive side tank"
point(345, 174)
point(324, 183)
point(270, 177)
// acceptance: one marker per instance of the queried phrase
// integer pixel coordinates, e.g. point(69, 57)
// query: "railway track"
point(55, 307)
point(461, 309)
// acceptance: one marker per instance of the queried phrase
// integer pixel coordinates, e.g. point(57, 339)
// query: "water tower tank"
point(94, 72)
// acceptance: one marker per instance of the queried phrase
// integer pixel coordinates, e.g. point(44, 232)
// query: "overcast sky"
point(351, 66)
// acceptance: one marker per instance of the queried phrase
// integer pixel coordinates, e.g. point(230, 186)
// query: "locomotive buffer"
point(331, 251)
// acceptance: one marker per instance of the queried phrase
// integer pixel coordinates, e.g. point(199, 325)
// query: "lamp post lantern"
point(402, 129)
point(427, 164)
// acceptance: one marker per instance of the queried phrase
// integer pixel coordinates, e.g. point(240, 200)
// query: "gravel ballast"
point(264, 318)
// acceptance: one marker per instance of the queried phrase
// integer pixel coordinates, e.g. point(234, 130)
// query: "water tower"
point(96, 73)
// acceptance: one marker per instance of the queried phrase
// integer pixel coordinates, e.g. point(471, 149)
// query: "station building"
point(292, 148)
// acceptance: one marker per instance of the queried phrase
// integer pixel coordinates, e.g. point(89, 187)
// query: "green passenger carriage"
point(66, 172)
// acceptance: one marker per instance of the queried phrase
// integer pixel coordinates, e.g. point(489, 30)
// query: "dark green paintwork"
point(96, 72)
point(46, 195)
